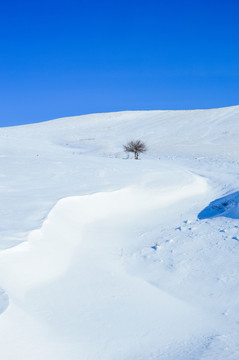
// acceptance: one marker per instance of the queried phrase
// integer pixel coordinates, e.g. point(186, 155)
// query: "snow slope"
point(124, 259)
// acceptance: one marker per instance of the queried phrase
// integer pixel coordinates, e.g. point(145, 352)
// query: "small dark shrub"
point(135, 147)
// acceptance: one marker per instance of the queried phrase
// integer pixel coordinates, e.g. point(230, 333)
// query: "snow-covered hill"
point(105, 257)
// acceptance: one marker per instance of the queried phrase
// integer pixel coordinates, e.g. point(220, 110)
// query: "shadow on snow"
point(227, 206)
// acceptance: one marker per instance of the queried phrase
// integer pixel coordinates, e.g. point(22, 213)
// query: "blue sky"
point(66, 58)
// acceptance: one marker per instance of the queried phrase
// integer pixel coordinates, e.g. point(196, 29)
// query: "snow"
point(104, 257)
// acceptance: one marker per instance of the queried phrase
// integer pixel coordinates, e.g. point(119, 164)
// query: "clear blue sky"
point(65, 58)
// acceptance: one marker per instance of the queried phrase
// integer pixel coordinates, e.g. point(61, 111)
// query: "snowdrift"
point(68, 280)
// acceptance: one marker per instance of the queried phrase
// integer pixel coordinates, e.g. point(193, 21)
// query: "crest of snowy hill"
point(104, 257)
point(213, 131)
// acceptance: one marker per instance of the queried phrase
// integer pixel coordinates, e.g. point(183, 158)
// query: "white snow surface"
point(107, 258)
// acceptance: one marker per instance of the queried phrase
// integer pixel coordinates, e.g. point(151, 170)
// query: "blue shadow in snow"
point(227, 206)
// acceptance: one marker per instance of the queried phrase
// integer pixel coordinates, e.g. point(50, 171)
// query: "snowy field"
point(106, 258)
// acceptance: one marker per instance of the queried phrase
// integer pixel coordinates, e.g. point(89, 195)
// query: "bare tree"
point(135, 147)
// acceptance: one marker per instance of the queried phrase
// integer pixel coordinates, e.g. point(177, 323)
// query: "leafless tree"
point(135, 147)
